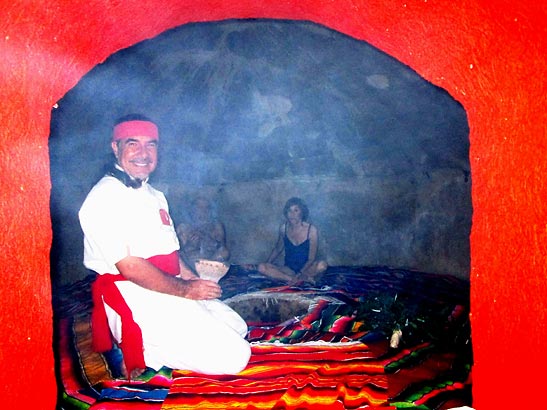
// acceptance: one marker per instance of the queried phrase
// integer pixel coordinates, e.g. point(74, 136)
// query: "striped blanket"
point(325, 346)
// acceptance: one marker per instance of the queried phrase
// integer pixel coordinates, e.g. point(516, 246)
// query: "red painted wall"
point(490, 55)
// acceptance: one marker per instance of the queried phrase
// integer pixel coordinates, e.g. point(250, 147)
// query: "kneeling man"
point(157, 310)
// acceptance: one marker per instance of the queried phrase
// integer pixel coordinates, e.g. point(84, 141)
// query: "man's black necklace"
point(124, 178)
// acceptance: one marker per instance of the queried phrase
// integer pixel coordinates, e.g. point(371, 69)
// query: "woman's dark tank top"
point(296, 256)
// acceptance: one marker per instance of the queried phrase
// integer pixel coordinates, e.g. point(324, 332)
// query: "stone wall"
point(254, 112)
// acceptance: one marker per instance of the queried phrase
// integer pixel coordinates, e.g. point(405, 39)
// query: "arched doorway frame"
point(482, 54)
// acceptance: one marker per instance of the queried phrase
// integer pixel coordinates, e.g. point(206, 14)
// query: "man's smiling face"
point(137, 155)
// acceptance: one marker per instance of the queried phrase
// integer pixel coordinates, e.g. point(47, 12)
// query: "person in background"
point(203, 236)
point(145, 297)
point(298, 240)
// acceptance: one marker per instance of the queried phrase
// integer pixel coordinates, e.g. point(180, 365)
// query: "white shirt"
point(119, 221)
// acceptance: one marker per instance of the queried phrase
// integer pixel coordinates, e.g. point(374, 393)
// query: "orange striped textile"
point(296, 376)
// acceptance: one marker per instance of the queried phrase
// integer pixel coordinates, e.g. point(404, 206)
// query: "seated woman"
point(298, 239)
point(203, 236)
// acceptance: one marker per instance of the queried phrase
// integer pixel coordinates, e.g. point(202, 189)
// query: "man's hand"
point(200, 289)
point(143, 273)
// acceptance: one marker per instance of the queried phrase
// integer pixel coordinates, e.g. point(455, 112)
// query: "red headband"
point(135, 128)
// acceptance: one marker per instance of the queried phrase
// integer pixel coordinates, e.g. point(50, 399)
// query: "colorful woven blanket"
point(321, 346)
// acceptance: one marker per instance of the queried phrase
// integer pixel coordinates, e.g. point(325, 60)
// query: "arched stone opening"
point(485, 55)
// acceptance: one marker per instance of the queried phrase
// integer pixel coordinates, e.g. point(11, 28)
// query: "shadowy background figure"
point(202, 236)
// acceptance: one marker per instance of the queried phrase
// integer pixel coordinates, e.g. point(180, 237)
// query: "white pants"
point(205, 336)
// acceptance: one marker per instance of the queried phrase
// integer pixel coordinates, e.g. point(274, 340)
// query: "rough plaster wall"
point(261, 110)
point(488, 55)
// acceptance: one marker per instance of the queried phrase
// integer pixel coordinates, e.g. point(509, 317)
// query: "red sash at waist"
point(104, 289)
point(167, 263)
